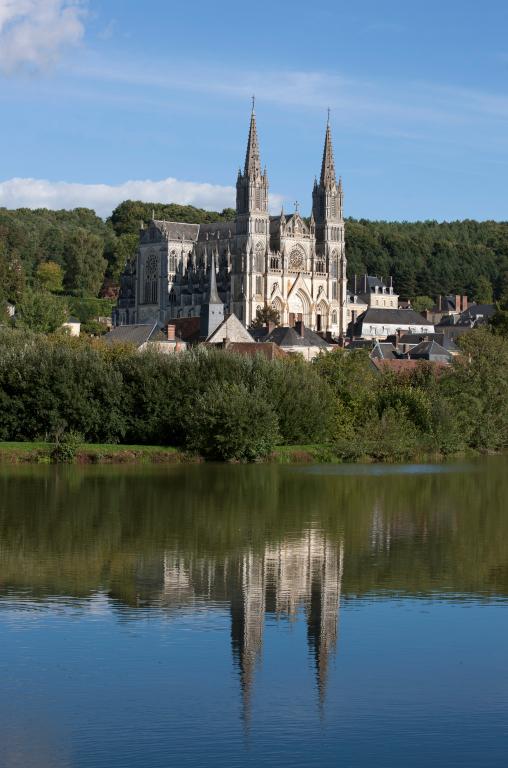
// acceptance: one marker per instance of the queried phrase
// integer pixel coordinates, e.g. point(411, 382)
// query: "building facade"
point(295, 265)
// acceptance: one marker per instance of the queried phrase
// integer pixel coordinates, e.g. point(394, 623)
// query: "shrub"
point(65, 448)
point(230, 422)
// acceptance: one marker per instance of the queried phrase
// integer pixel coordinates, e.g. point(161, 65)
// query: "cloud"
point(40, 193)
point(33, 33)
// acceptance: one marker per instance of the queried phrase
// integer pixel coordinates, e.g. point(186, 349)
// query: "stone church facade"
point(296, 266)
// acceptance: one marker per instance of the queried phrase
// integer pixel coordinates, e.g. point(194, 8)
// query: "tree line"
point(224, 406)
point(87, 254)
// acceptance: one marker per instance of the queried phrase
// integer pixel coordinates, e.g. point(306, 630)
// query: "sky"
point(104, 100)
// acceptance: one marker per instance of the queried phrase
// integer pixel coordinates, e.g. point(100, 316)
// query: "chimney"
point(171, 332)
point(439, 303)
point(464, 303)
point(458, 303)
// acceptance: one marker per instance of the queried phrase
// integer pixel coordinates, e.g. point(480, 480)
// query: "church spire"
point(213, 297)
point(252, 158)
point(328, 165)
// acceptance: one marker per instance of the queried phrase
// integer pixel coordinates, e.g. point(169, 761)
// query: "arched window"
point(320, 266)
point(151, 279)
point(334, 318)
point(260, 258)
point(274, 262)
point(172, 262)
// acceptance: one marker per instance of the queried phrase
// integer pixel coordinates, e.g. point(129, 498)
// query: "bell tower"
point(328, 214)
point(252, 231)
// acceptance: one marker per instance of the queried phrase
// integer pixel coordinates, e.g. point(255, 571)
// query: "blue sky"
point(99, 93)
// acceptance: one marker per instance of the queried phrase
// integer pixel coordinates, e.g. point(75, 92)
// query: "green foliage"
point(482, 291)
point(421, 303)
point(65, 447)
point(231, 422)
point(266, 315)
point(127, 217)
point(49, 276)
point(84, 263)
point(40, 311)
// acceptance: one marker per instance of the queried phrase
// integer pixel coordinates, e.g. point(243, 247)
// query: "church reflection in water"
point(295, 576)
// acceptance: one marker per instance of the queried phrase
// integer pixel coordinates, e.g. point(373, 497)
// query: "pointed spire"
point(328, 164)
point(213, 297)
point(252, 158)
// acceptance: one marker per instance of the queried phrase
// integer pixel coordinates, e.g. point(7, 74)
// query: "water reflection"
point(261, 543)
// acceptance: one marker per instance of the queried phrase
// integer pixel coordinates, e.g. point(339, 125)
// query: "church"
point(256, 260)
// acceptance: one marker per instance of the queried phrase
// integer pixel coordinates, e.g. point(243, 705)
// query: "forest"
point(86, 254)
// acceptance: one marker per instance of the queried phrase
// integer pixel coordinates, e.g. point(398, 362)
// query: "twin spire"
point(253, 159)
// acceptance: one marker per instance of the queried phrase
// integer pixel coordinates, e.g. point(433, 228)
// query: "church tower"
point(252, 232)
point(327, 211)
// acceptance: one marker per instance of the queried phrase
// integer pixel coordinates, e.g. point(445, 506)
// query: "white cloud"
point(33, 33)
point(40, 193)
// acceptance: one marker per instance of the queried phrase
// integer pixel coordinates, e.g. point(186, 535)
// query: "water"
point(254, 616)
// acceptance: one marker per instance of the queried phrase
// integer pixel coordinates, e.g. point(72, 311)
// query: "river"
point(208, 615)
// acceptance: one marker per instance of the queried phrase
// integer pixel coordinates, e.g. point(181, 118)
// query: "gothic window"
point(334, 318)
point(151, 279)
point(274, 262)
point(296, 259)
point(259, 285)
point(333, 264)
point(334, 291)
point(258, 199)
point(172, 262)
point(260, 258)
point(320, 266)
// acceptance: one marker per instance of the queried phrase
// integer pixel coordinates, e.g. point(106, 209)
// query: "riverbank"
point(42, 453)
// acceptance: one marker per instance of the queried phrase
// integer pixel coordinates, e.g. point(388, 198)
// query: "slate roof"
point(384, 316)
point(132, 334)
point(443, 339)
point(175, 230)
point(474, 311)
point(285, 336)
point(427, 349)
point(384, 351)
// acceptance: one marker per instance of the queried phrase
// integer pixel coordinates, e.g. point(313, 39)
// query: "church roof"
point(176, 230)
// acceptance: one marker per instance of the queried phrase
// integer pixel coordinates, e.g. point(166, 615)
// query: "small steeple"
point(213, 295)
point(328, 165)
point(252, 158)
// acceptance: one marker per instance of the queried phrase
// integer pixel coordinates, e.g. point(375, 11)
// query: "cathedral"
point(256, 260)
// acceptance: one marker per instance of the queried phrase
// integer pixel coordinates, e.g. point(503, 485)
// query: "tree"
point(482, 290)
point(266, 315)
point(421, 303)
point(49, 276)
point(84, 262)
point(41, 311)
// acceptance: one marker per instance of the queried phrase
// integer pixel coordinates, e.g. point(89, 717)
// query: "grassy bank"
point(41, 453)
